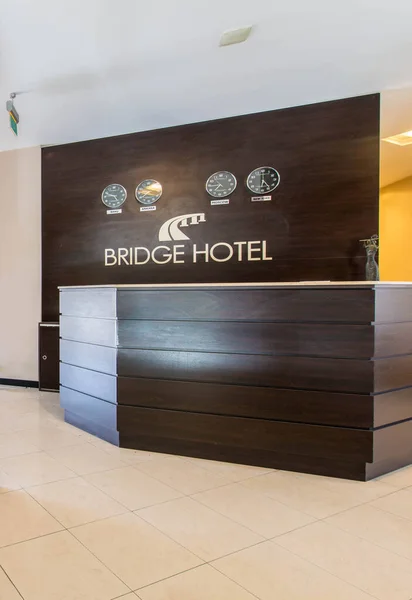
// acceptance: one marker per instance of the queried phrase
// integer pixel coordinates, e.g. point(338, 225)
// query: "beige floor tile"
point(58, 567)
point(135, 551)
point(182, 475)
point(375, 570)
point(7, 484)
point(319, 497)
point(202, 583)
point(75, 501)
point(34, 469)
point(128, 456)
point(21, 518)
point(132, 488)
point(7, 589)
point(85, 458)
point(48, 437)
point(253, 510)
point(131, 596)
point(399, 503)
point(14, 444)
point(198, 528)
point(399, 479)
point(382, 528)
point(232, 471)
point(272, 573)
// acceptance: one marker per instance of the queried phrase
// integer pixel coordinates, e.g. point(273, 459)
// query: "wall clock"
point(221, 184)
point(114, 195)
point(263, 180)
point(148, 191)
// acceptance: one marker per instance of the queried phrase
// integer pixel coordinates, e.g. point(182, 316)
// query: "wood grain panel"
point(342, 305)
point(393, 373)
point(92, 383)
point(393, 305)
point(96, 303)
point(392, 339)
point(322, 152)
point(350, 410)
point(392, 407)
point(102, 332)
point(392, 441)
point(92, 410)
point(338, 375)
point(287, 438)
point(325, 465)
point(301, 339)
point(88, 356)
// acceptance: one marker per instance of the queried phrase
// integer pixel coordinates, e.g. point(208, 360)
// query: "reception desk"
point(310, 377)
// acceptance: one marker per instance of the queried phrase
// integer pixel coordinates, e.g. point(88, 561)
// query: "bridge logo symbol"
point(170, 230)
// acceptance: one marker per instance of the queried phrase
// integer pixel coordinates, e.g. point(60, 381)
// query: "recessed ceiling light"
point(401, 139)
point(235, 36)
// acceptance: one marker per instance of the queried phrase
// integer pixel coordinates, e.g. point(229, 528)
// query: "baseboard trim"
point(27, 383)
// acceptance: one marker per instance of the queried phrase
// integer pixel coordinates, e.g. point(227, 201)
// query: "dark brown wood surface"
point(298, 339)
point(321, 408)
point(319, 396)
point(328, 158)
point(289, 438)
point(48, 357)
point(293, 304)
point(335, 375)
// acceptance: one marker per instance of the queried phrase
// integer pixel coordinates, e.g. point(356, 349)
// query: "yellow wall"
point(395, 231)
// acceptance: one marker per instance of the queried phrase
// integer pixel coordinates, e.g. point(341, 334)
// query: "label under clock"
point(261, 198)
point(219, 202)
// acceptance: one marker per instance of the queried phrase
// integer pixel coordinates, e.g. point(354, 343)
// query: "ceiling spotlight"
point(235, 36)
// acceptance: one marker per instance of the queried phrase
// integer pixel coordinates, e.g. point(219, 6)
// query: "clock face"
point(148, 191)
point(263, 180)
point(114, 195)
point(221, 184)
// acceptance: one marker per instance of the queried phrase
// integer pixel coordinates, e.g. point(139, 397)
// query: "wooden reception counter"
point(311, 377)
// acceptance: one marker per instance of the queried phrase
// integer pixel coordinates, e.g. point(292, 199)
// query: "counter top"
point(275, 284)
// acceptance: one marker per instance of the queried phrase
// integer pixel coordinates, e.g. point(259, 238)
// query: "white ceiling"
point(94, 68)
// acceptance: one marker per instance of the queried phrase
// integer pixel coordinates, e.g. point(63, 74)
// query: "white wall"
point(20, 252)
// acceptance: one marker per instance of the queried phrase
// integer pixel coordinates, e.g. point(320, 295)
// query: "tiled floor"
point(83, 520)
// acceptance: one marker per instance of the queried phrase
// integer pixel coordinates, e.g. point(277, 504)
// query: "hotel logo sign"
point(170, 231)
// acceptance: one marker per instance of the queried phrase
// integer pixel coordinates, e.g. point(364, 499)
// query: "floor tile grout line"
point(367, 540)
point(315, 519)
point(11, 581)
point(234, 581)
point(100, 561)
point(323, 569)
point(332, 514)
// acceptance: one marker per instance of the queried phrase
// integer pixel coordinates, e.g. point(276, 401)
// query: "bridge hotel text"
point(220, 252)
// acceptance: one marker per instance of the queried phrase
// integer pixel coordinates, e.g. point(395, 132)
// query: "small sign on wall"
point(261, 198)
point(219, 202)
point(114, 211)
point(146, 208)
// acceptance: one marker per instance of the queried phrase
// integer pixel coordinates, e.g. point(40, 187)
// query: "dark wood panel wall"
point(328, 158)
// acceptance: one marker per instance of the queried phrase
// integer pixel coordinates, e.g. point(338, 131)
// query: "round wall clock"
point(221, 184)
point(148, 191)
point(263, 180)
point(114, 195)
